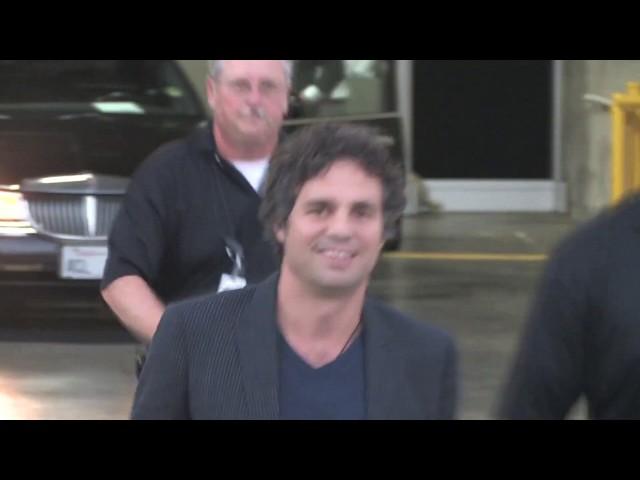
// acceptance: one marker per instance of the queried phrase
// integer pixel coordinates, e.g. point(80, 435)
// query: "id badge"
point(234, 280)
point(231, 282)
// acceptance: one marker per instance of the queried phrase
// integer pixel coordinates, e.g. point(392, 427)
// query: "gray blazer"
point(216, 358)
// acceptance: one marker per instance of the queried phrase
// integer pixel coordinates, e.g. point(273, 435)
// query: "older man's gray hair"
point(216, 66)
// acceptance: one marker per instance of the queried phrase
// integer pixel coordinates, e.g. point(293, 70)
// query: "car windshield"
point(103, 86)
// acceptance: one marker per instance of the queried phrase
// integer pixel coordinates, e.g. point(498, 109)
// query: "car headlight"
point(14, 214)
point(13, 207)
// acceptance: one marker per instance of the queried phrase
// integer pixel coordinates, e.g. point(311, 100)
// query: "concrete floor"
point(66, 358)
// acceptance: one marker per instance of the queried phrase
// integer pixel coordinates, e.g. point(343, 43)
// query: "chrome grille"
point(82, 216)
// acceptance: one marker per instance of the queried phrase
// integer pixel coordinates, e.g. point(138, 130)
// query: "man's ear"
point(280, 233)
point(285, 108)
point(212, 93)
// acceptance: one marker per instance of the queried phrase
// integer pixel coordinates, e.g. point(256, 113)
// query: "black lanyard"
point(232, 246)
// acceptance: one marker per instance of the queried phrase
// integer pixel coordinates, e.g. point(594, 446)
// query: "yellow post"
point(634, 151)
point(633, 92)
point(625, 138)
point(617, 161)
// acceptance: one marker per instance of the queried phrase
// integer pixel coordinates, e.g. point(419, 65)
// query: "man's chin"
point(255, 137)
point(339, 286)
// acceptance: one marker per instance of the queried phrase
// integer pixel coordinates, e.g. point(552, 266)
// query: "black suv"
point(71, 134)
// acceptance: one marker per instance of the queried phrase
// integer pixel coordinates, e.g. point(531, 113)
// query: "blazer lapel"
point(389, 393)
point(257, 344)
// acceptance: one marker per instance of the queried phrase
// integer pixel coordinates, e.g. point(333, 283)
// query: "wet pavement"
point(63, 356)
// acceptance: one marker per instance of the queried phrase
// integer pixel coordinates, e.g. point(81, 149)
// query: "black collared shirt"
point(181, 203)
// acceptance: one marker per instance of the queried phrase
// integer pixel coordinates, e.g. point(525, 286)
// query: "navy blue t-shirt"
point(335, 391)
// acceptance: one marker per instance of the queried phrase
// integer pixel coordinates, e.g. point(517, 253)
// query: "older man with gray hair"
point(189, 224)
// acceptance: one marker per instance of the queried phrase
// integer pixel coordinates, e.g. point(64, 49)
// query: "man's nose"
point(340, 226)
point(254, 96)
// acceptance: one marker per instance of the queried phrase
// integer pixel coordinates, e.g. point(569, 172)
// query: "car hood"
point(80, 151)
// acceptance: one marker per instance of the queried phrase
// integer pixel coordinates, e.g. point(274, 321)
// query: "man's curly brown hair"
point(312, 150)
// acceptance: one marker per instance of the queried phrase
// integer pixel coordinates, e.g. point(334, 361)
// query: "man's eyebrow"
point(317, 201)
point(363, 204)
point(318, 198)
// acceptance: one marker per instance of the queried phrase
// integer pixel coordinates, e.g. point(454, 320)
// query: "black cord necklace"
point(351, 337)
